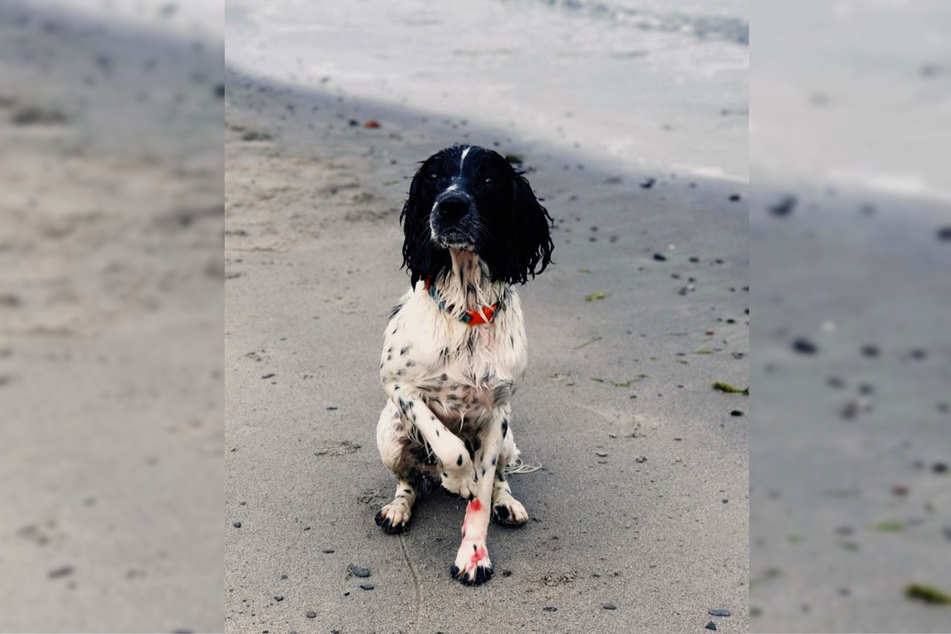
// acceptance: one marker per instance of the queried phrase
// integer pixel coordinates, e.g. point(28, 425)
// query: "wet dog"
point(455, 345)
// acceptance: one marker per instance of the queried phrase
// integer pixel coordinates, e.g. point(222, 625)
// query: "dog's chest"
point(461, 372)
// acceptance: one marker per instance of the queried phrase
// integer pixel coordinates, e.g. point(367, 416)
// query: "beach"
point(111, 291)
point(641, 504)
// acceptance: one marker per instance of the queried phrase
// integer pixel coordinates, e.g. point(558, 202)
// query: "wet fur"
point(449, 385)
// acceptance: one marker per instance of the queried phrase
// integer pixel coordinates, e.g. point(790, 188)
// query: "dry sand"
point(111, 279)
point(642, 501)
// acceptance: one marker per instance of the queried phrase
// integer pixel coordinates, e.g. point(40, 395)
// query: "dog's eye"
point(489, 180)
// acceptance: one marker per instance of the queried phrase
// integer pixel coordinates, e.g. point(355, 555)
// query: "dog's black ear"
point(420, 256)
point(530, 245)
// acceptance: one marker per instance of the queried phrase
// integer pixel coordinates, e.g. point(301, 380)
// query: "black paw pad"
point(454, 571)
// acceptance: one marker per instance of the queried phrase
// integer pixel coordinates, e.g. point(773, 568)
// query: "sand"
point(111, 279)
point(642, 499)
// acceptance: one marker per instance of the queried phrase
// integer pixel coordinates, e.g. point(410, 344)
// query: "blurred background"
point(111, 318)
point(850, 237)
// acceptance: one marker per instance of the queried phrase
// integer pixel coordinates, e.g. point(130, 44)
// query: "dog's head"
point(471, 198)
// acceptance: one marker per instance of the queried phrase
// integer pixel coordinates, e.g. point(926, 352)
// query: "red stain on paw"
point(474, 506)
point(480, 554)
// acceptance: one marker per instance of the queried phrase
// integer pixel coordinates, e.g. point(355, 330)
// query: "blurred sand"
point(110, 327)
point(642, 499)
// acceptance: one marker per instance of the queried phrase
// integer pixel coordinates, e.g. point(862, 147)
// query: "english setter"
point(455, 344)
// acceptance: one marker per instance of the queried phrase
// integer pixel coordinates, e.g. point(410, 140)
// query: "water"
point(647, 85)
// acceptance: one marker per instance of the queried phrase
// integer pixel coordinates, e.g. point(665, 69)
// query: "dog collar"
point(472, 317)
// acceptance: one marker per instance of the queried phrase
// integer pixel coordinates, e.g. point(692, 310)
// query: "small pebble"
point(269, 376)
point(367, 586)
point(804, 346)
point(660, 257)
point(329, 551)
point(940, 467)
point(736, 412)
point(310, 614)
point(719, 613)
point(550, 608)
point(609, 606)
point(506, 573)
point(278, 598)
point(783, 208)
point(236, 524)
point(944, 233)
point(357, 571)
point(711, 626)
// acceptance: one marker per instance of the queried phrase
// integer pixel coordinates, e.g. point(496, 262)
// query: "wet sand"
point(642, 501)
point(851, 443)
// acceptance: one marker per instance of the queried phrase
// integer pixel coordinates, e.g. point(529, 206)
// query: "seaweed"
point(928, 594)
point(720, 386)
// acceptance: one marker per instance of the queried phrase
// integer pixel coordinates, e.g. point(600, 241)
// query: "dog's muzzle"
point(452, 219)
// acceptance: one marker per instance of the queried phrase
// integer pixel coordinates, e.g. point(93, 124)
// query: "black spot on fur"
point(502, 393)
point(410, 364)
point(404, 350)
point(476, 443)
point(505, 427)
point(407, 490)
point(469, 449)
point(395, 310)
point(400, 372)
point(512, 340)
point(495, 460)
point(459, 460)
point(500, 476)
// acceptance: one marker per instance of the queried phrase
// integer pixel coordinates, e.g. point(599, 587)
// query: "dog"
point(455, 344)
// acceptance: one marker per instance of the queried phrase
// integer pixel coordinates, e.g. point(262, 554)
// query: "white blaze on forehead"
point(463, 159)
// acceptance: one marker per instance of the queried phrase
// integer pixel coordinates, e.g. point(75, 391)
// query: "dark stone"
point(784, 207)
point(269, 376)
point(711, 626)
point(804, 346)
point(550, 608)
point(647, 184)
point(660, 257)
point(367, 586)
point(944, 233)
point(236, 524)
point(357, 571)
point(736, 412)
point(609, 606)
point(719, 613)
point(310, 614)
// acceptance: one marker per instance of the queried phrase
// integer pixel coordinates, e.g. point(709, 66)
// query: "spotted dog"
point(455, 345)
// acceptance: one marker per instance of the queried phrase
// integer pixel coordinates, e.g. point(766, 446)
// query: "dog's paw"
point(510, 512)
point(461, 481)
point(393, 518)
point(472, 566)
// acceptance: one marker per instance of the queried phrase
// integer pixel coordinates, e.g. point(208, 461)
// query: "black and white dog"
point(455, 344)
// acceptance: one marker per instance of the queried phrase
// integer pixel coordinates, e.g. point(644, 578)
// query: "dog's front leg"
point(472, 565)
point(458, 475)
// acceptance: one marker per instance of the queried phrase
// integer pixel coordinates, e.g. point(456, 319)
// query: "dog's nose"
point(453, 207)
